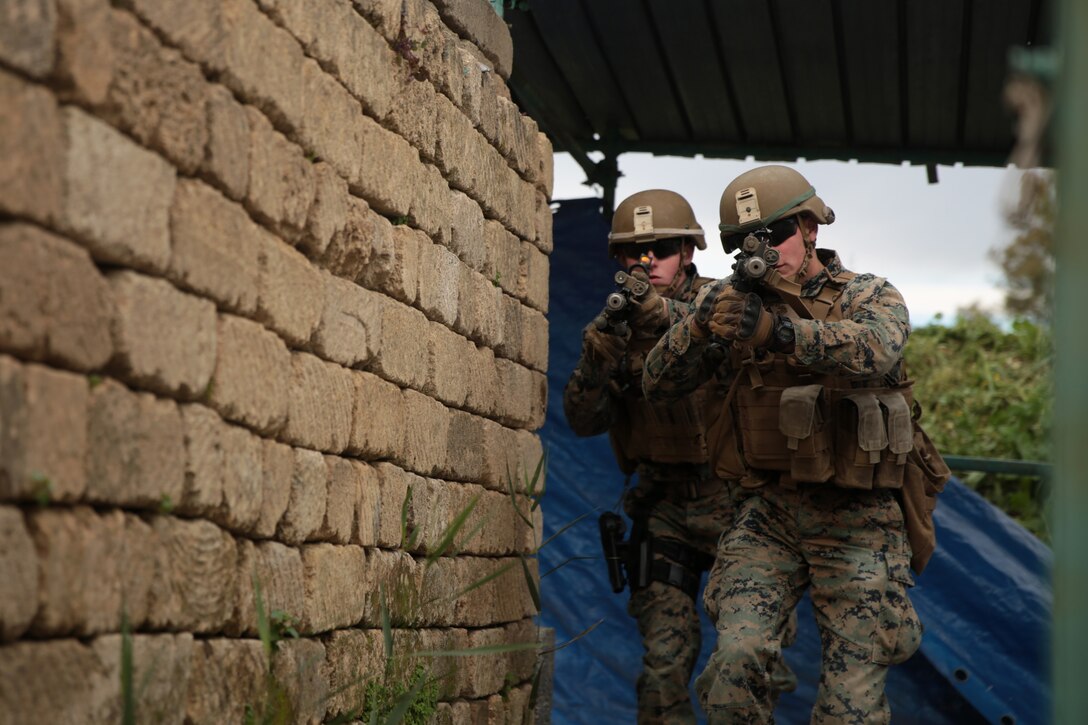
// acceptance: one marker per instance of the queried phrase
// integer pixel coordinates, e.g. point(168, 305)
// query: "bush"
point(987, 392)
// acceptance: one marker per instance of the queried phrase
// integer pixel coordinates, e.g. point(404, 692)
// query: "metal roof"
point(872, 80)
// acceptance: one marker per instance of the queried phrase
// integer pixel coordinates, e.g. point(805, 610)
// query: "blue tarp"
point(984, 599)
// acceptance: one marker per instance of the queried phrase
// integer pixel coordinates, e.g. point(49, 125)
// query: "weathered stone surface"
point(252, 374)
point(404, 346)
point(345, 44)
point(439, 277)
point(478, 22)
point(118, 195)
point(85, 59)
point(196, 566)
point(353, 657)
point(226, 157)
point(282, 578)
point(55, 681)
point(427, 425)
point(203, 492)
point(137, 569)
point(503, 263)
point(329, 212)
point(319, 405)
point(216, 247)
point(299, 667)
point(291, 292)
point(54, 304)
point(330, 128)
point(378, 421)
point(480, 315)
point(368, 505)
point(394, 484)
point(483, 385)
point(412, 116)
point(33, 144)
point(281, 179)
point(342, 500)
point(465, 442)
point(543, 225)
point(199, 27)
point(547, 169)
point(80, 586)
point(261, 63)
point(533, 277)
point(450, 366)
point(27, 33)
point(334, 586)
point(306, 505)
point(386, 15)
point(389, 168)
point(242, 473)
point(226, 679)
point(154, 93)
point(361, 246)
point(467, 239)
point(516, 391)
point(350, 331)
point(161, 662)
point(395, 577)
point(19, 572)
point(534, 338)
point(163, 339)
point(512, 332)
point(430, 207)
point(392, 259)
point(135, 448)
point(277, 466)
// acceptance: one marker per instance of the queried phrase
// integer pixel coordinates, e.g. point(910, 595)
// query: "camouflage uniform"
point(678, 502)
point(847, 546)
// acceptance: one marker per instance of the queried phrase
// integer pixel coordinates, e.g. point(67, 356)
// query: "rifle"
point(631, 286)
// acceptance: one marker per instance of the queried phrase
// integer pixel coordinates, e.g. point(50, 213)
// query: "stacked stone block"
point(272, 319)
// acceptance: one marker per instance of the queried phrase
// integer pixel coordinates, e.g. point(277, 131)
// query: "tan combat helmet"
point(766, 194)
point(651, 215)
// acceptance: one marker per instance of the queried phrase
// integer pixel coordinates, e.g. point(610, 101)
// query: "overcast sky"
point(932, 241)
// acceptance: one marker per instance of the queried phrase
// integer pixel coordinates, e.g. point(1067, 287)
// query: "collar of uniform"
point(832, 267)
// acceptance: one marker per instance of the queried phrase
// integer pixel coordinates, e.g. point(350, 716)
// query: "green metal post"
point(1070, 503)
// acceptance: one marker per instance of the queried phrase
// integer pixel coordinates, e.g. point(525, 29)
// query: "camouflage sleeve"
point(869, 339)
point(679, 362)
point(588, 401)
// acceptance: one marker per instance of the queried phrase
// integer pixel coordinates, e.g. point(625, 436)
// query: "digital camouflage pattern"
point(667, 618)
point(848, 547)
point(668, 622)
point(867, 343)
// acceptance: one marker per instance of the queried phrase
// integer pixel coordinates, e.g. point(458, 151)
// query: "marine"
point(839, 479)
point(679, 507)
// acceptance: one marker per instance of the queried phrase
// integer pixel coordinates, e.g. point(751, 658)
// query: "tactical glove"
point(602, 350)
point(650, 318)
point(701, 318)
point(742, 317)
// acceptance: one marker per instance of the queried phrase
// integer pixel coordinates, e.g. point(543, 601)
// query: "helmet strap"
point(810, 249)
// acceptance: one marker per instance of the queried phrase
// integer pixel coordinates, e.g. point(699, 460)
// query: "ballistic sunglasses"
point(662, 248)
point(780, 230)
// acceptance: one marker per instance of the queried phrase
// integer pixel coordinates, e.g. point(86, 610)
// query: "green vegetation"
point(987, 392)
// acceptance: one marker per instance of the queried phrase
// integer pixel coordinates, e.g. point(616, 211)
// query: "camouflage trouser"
point(849, 548)
point(667, 618)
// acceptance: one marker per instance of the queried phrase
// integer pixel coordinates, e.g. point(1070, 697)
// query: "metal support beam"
point(1070, 501)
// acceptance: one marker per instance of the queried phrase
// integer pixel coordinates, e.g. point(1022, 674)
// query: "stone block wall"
point(273, 291)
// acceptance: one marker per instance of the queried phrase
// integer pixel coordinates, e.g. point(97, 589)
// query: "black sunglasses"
point(780, 230)
point(662, 248)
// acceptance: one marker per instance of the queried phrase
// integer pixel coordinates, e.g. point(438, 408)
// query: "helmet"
point(766, 194)
point(654, 214)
